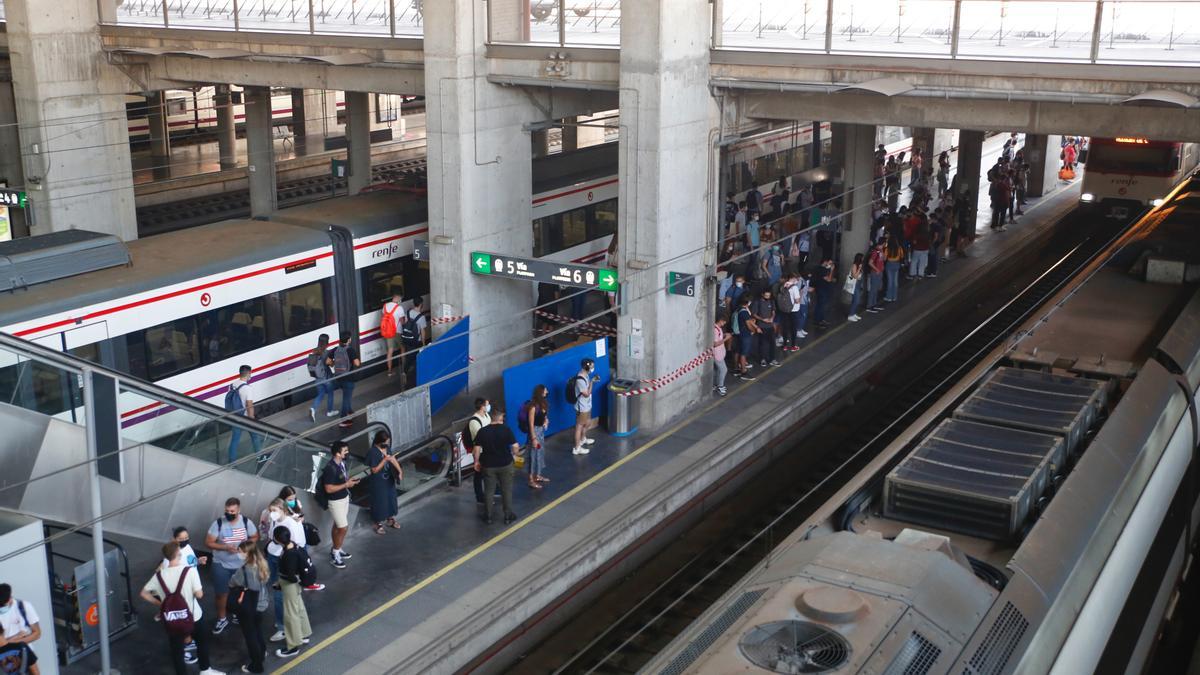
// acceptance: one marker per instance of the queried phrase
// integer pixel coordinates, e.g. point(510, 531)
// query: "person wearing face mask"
point(583, 382)
point(292, 499)
point(184, 540)
point(181, 578)
point(381, 482)
point(248, 588)
point(735, 292)
point(19, 628)
point(479, 419)
point(224, 537)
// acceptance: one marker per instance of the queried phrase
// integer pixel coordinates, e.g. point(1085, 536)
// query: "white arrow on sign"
point(606, 279)
point(481, 263)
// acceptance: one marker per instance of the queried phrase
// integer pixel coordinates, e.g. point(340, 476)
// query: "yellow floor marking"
point(466, 557)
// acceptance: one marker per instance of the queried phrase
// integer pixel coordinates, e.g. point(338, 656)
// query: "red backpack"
point(176, 614)
point(387, 324)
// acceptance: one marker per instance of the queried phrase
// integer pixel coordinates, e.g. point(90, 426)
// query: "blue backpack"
point(233, 399)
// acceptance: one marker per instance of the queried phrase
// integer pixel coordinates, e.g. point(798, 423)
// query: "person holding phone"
point(583, 382)
point(383, 472)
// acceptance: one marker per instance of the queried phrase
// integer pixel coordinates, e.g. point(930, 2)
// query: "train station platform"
point(447, 593)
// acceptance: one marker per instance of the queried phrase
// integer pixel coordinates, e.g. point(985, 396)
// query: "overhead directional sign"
point(14, 198)
point(566, 274)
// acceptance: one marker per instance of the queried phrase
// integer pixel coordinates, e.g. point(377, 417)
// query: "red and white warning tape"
point(580, 325)
point(446, 319)
point(660, 382)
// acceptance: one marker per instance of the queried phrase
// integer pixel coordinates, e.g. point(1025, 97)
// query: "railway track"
point(673, 589)
point(186, 213)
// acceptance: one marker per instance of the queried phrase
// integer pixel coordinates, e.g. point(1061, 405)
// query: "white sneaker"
point(331, 413)
point(803, 334)
point(312, 414)
point(278, 636)
point(588, 441)
point(212, 671)
point(854, 317)
point(579, 450)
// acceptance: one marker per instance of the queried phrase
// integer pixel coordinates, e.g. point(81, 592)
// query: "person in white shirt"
point(190, 558)
point(19, 628)
point(583, 382)
point(278, 514)
point(162, 584)
point(241, 386)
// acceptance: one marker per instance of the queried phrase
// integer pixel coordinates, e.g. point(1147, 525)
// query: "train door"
point(46, 389)
point(345, 281)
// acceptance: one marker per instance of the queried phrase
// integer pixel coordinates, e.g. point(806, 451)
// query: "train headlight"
point(1157, 201)
point(1087, 197)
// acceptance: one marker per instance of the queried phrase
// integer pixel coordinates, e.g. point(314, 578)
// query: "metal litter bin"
point(622, 410)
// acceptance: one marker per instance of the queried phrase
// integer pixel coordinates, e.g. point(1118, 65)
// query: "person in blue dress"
point(381, 483)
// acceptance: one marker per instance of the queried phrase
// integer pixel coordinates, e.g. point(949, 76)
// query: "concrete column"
point(480, 182)
point(970, 162)
point(539, 143)
point(1041, 152)
point(317, 117)
point(668, 196)
point(74, 139)
point(226, 127)
point(299, 123)
point(11, 171)
point(570, 134)
point(160, 134)
point(260, 152)
point(857, 145)
point(358, 140)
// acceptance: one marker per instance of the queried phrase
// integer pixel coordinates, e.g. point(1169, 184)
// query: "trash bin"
point(622, 410)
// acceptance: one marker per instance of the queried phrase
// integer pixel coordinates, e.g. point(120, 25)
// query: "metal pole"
point(1097, 24)
point(562, 23)
point(392, 16)
point(955, 28)
point(93, 446)
point(166, 20)
point(312, 26)
point(237, 17)
point(829, 27)
point(718, 23)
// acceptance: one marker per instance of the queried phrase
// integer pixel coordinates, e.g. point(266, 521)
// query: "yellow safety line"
point(466, 557)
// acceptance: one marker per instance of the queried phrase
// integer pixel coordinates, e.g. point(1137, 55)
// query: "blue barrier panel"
point(443, 356)
point(554, 371)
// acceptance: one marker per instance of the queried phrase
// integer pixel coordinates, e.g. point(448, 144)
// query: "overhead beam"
point(1172, 124)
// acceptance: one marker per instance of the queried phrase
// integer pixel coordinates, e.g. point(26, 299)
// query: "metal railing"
point(391, 18)
point(1161, 32)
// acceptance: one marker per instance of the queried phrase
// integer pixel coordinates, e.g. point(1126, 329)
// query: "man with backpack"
point(296, 569)
point(176, 592)
point(412, 334)
point(318, 369)
point(223, 538)
point(343, 360)
point(579, 394)
point(479, 419)
point(391, 318)
point(240, 401)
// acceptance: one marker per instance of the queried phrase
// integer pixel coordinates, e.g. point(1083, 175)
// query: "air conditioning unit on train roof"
point(849, 603)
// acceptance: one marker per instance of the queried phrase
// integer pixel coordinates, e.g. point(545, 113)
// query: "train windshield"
point(1153, 158)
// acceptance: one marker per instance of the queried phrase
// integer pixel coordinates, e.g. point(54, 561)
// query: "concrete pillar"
point(260, 152)
point(480, 182)
point(668, 198)
point(70, 103)
point(226, 127)
point(970, 162)
point(160, 134)
point(857, 145)
point(539, 143)
point(358, 140)
point(314, 119)
point(11, 171)
point(1041, 153)
point(299, 123)
point(570, 134)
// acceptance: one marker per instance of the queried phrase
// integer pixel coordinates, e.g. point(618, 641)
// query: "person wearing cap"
point(583, 382)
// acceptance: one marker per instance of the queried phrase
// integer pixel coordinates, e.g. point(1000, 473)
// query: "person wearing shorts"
point(336, 483)
point(225, 535)
point(583, 382)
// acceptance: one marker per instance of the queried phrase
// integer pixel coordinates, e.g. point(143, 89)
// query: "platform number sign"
point(420, 250)
point(679, 283)
point(14, 198)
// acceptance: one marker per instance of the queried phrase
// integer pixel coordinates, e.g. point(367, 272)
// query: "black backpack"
point(308, 571)
point(408, 330)
point(523, 420)
point(572, 395)
point(320, 496)
point(176, 614)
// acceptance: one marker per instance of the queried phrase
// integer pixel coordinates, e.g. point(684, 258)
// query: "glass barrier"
point(1037, 31)
point(356, 17)
point(593, 22)
point(775, 24)
point(891, 26)
point(1143, 30)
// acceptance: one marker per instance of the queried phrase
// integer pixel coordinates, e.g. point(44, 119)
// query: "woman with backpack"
point(248, 600)
point(176, 592)
point(384, 471)
point(534, 419)
point(318, 368)
point(294, 566)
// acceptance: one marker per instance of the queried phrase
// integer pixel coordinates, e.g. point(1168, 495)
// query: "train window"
point(232, 330)
point(87, 352)
point(171, 348)
point(303, 309)
point(547, 235)
point(177, 106)
point(574, 227)
point(602, 221)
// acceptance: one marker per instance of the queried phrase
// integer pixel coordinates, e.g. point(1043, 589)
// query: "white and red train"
point(1134, 171)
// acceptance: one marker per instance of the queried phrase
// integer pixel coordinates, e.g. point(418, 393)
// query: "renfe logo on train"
point(389, 251)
